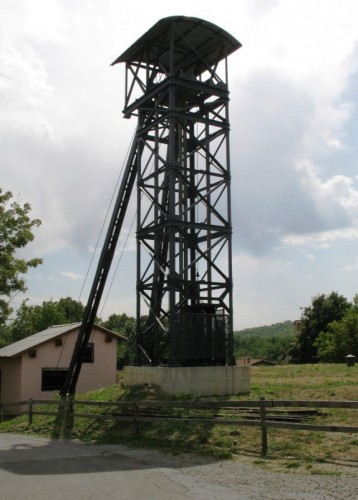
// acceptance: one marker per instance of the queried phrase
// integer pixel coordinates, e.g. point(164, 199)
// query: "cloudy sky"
point(294, 116)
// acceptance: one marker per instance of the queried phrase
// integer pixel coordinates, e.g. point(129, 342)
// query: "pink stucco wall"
point(10, 389)
point(21, 376)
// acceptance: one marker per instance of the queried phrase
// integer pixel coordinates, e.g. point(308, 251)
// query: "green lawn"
point(314, 452)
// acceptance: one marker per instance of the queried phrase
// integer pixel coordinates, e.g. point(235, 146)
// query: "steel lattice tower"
point(176, 86)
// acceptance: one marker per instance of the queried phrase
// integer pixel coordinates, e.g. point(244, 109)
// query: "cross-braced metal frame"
point(176, 85)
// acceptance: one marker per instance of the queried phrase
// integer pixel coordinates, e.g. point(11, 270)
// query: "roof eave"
point(148, 37)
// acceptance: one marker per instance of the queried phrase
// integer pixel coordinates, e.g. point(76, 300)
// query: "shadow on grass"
point(174, 437)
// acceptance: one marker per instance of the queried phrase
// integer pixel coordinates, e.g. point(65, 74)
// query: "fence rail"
point(255, 413)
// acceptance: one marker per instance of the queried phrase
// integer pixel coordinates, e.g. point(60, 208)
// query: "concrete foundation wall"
point(202, 380)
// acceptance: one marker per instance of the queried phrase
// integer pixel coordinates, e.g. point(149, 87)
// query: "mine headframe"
point(176, 86)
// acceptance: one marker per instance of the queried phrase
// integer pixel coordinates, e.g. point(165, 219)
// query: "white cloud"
point(326, 126)
point(72, 276)
point(321, 240)
point(310, 44)
point(351, 267)
point(308, 255)
point(336, 198)
point(277, 189)
point(293, 113)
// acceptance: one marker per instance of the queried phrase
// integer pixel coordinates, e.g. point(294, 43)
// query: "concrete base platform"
point(201, 380)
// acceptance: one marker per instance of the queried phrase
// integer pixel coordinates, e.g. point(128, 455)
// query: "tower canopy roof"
point(197, 44)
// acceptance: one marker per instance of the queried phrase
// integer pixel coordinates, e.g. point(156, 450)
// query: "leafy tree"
point(16, 231)
point(125, 325)
point(33, 319)
point(341, 337)
point(5, 335)
point(315, 319)
point(72, 309)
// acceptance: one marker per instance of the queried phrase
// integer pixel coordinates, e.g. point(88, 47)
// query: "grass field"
point(314, 452)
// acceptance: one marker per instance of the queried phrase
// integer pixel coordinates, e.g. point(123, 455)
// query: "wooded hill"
point(267, 342)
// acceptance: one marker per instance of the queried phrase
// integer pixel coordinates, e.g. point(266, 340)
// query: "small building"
point(254, 362)
point(36, 366)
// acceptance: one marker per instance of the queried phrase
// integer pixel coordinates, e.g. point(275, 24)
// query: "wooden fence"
point(261, 413)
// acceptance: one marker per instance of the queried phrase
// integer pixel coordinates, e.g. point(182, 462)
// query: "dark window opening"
point(89, 353)
point(53, 379)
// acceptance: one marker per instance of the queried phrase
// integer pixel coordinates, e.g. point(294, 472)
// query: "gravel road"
point(33, 467)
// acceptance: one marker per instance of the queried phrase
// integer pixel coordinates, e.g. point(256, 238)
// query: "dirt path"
point(32, 467)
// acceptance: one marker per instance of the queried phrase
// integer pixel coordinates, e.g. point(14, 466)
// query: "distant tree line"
point(30, 319)
point(326, 332)
point(265, 342)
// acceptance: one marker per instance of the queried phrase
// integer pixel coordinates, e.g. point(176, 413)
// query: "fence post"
point(30, 410)
point(135, 415)
point(263, 427)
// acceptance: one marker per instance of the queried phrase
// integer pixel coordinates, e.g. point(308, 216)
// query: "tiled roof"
point(50, 333)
